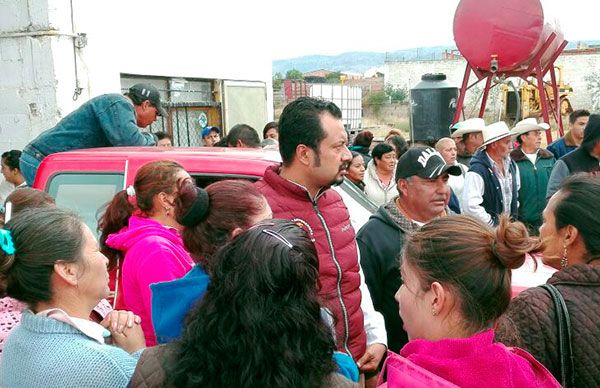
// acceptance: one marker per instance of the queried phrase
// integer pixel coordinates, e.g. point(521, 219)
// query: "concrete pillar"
point(37, 68)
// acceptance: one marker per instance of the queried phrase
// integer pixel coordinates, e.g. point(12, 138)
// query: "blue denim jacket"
point(104, 121)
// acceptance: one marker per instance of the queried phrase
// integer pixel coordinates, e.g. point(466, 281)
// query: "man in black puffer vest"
point(586, 158)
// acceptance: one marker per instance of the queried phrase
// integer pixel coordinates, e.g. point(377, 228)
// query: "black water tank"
point(433, 103)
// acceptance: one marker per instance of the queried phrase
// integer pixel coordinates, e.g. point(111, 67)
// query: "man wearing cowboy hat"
point(535, 165)
point(469, 133)
point(492, 183)
point(586, 158)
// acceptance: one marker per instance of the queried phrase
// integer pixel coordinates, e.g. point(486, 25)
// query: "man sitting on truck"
point(104, 121)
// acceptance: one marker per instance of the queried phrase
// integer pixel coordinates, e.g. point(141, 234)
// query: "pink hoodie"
point(153, 253)
point(478, 361)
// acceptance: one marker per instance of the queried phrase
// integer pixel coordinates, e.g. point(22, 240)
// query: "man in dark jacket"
point(535, 165)
point(586, 158)
point(422, 180)
point(492, 183)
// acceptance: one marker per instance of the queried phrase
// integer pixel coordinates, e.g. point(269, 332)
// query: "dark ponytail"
point(151, 179)
point(115, 218)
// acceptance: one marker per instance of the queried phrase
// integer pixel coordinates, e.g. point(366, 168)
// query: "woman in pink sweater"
point(456, 283)
point(139, 227)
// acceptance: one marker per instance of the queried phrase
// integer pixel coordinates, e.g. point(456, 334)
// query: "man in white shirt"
point(492, 183)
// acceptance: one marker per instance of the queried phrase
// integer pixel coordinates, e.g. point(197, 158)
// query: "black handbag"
point(565, 345)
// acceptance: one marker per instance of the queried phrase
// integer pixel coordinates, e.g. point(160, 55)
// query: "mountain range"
point(361, 61)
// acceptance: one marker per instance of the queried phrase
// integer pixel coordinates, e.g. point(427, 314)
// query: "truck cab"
point(86, 180)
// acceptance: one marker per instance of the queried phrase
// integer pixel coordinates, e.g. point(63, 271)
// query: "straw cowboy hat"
point(495, 132)
point(468, 126)
point(527, 125)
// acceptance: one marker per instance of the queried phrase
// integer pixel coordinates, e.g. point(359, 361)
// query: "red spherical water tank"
point(512, 30)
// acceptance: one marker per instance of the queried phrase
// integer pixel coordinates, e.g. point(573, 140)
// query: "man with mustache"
point(313, 147)
point(422, 181)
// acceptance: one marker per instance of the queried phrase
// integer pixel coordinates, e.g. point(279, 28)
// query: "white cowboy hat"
point(527, 125)
point(468, 126)
point(495, 132)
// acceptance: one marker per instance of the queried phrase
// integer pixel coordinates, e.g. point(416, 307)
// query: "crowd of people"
point(268, 284)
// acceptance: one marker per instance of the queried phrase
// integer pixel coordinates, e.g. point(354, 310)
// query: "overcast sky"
point(296, 28)
point(338, 26)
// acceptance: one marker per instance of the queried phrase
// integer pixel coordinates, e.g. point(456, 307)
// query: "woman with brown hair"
point(211, 218)
point(456, 275)
point(140, 226)
point(570, 238)
point(49, 260)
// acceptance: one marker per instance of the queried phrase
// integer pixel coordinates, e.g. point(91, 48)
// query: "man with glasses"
point(313, 147)
point(104, 121)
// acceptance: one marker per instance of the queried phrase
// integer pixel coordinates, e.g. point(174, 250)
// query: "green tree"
point(396, 94)
point(333, 78)
point(277, 81)
point(294, 74)
point(376, 100)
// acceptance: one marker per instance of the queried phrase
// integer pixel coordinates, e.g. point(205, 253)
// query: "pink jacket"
point(153, 253)
point(477, 361)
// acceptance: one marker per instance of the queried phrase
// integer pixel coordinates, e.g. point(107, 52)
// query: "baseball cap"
point(143, 92)
point(424, 162)
point(206, 131)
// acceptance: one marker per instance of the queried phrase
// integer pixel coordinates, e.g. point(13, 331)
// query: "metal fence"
point(182, 122)
point(184, 100)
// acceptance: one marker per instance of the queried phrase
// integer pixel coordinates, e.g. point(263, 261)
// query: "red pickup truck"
point(85, 180)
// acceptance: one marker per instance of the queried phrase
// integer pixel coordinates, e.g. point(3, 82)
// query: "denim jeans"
point(28, 165)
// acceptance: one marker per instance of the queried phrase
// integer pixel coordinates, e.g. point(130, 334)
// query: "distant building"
point(368, 85)
point(317, 76)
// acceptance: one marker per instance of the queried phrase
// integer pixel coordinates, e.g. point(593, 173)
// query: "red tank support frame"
point(535, 69)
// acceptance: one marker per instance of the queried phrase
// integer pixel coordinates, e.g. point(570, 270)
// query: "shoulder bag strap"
point(565, 346)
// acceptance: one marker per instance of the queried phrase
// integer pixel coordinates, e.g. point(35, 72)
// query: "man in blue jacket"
point(104, 121)
point(578, 119)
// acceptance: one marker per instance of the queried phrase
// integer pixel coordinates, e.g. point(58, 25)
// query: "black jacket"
point(380, 241)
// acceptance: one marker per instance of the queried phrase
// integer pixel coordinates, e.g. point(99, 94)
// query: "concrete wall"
point(27, 78)
point(576, 68)
point(175, 39)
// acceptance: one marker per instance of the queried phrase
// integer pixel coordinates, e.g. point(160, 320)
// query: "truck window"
point(85, 193)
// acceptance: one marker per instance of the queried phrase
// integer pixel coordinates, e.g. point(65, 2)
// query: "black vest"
point(580, 160)
point(492, 191)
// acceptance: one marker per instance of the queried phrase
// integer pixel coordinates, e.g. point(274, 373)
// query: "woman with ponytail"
point(456, 275)
point(141, 237)
point(211, 218)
